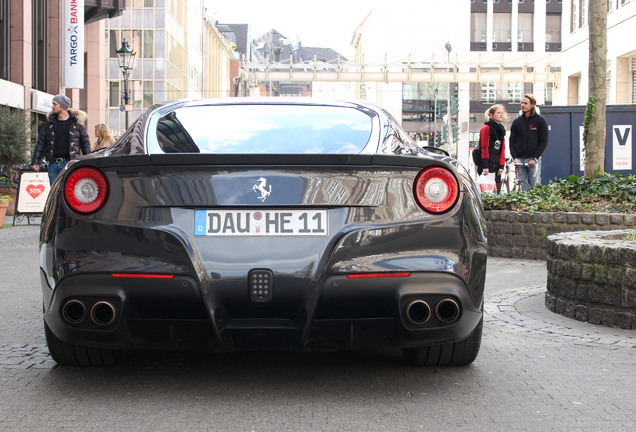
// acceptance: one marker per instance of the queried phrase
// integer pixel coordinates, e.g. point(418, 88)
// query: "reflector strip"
point(142, 276)
point(378, 275)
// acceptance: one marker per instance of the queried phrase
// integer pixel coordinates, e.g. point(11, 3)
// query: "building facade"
point(31, 55)
point(157, 31)
point(621, 52)
point(509, 37)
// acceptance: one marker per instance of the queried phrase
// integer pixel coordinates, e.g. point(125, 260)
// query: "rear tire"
point(72, 355)
point(452, 354)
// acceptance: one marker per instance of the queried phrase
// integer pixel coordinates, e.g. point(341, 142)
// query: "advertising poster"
point(32, 193)
point(622, 147)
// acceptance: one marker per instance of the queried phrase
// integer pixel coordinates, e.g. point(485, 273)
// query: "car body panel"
point(373, 226)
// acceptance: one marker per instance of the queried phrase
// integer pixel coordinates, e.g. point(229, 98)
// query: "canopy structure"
point(494, 69)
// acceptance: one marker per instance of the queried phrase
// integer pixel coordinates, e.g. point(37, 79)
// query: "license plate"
point(260, 222)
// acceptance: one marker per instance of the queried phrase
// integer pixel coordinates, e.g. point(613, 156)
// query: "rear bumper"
point(103, 312)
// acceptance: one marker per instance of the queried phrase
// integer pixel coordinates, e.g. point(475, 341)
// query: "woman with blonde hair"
point(104, 137)
point(492, 143)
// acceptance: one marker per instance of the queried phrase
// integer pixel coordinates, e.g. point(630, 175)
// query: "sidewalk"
point(514, 299)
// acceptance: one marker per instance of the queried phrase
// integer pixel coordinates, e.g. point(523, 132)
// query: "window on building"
point(488, 92)
point(478, 32)
point(116, 36)
point(553, 32)
point(501, 32)
point(548, 92)
point(39, 30)
point(5, 40)
point(136, 43)
point(114, 97)
point(514, 92)
point(137, 95)
point(525, 37)
point(149, 92)
point(148, 44)
point(582, 13)
point(578, 14)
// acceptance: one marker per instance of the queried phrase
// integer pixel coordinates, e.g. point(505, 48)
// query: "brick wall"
point(513, 234)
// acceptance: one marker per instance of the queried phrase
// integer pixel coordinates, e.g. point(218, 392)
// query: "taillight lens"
point(436, 189)
point(86, 190)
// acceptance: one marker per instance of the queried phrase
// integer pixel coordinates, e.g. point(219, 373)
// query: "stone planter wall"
point(592, 277)
point(513, 234)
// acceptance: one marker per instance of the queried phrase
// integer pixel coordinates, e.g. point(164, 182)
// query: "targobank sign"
point(73, 43)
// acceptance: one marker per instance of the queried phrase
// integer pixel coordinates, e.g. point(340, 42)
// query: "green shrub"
point(606, 193)
point(16, 133)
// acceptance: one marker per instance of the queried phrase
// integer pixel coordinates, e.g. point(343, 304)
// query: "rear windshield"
point(257, 128)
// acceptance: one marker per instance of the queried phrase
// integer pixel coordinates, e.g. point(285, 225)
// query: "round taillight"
point(436, 189)
point(86, 190)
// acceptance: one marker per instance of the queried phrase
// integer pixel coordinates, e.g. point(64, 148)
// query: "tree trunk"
point(597, 90)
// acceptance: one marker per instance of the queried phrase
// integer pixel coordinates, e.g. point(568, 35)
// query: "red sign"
point(35, 191)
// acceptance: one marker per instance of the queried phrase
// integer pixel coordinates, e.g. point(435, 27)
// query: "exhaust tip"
point(447, 311)
point(73, 312)
point(418, 312)
point(103, 313)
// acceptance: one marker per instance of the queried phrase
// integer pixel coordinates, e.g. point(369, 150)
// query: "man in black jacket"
point(62, 137)
point(528, 140)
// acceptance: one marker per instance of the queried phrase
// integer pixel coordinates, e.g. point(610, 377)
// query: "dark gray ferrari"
point(263, 224)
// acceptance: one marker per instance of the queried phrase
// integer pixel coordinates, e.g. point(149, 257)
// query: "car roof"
point(268, 100)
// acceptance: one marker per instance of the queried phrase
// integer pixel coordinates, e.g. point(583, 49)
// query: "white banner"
point(622, 147)
point(73, 44)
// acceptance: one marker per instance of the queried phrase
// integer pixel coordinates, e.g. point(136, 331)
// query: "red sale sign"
point(35, 191)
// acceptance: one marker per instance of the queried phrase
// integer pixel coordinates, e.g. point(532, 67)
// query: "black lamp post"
point(126, 58)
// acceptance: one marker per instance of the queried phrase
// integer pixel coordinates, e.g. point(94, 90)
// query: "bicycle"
point(512, 184)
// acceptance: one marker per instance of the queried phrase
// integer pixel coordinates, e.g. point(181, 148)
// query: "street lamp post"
point(448, 102)
point(126, 58)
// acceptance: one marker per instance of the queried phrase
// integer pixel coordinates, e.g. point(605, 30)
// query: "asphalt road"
point(536, 371)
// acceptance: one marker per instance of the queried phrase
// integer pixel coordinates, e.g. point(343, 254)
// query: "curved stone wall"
point(513, 234)
point(592, 277)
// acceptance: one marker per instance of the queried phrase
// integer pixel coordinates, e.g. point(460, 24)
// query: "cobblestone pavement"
point(536, 371)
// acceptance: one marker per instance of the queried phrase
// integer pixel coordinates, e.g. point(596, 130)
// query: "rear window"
point(228, 129)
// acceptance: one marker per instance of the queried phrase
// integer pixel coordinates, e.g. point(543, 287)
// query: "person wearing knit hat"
point(63, 101)
point(62, 138)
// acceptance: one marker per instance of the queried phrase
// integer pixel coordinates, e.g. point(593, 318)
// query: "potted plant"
point(4, 203)
point(16, 133)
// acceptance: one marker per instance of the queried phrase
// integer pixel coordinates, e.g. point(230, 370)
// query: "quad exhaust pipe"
point(73, 311)
point(102, 313)
point(419, 312)
point(447, 311)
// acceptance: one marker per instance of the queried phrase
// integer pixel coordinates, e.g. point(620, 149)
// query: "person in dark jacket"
point(492, 143)
point(528, 140)
point(63, 137)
